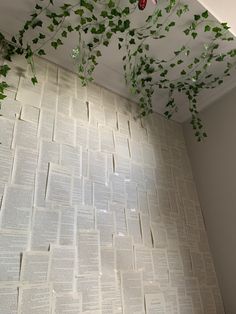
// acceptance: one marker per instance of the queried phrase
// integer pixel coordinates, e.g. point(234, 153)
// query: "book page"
point(124, 252)
point(146, 230)
point(49, 95)
point(108, 261)
point(10, 108)
point(88, 244)
point(62, 268)
point(35, 299)
point(13, 241)
point(134, 228)
point(67, 226)
point(159, 235)
point(122, 145)
point(155, 303)
point(132, 292)
point(34, 267)
point(93, 139)
point(6, 160)
point(59, 188)
point(6, 131)
point(144, 263)
point(110, 117)
point(40, 189)
point(105, 223)
point(71, 157)
point(8, 298)
point(120, 218)
point(136, 151)
point(77, 190)
point(85, 217)
point(123, 123)
point(117, 189)
point(88, 198)
point(90, 288)
point(30, 114)
point(45, 228)
point(101, 197)
point(9, 266)
point(82, 134)
point(25, 135)
point(64, 132)
point(107, 140)
point(122, 166)
point(143, 202)
point(131, 196)
point(46, 124)
point(16, 207)
point(160, 264)
point(67, 303)
point(97, 167)
point(24, 168)
point(108, 293)
point(28, 93)
point(79, 109)
point(48, 152)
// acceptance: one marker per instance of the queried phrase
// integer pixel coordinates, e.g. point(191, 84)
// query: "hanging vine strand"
point(98, 23)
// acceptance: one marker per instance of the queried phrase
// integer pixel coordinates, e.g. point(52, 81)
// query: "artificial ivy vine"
point(97, 22)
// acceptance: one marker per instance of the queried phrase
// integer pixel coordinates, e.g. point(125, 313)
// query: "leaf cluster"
point(98, 23)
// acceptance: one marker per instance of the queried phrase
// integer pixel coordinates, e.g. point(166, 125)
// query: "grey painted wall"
point(214, 168)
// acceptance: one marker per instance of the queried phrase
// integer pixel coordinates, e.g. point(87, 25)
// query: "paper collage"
point(99, 211)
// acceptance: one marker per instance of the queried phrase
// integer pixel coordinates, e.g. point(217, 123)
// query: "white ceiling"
point(109, 71)
point(223, 11)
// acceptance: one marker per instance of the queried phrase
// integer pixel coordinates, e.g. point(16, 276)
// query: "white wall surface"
point(214, 170)
point(100, 204)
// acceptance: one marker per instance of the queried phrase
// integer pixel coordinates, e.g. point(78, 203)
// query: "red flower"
point(142, 4)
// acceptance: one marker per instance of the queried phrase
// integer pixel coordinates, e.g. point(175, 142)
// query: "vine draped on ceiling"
point(98, 23)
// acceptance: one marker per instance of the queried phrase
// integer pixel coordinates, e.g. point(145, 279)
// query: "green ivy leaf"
point(51, 28)
point(64, 34)
point(4, 69)
point(98, 53)
point(37, 23)
point(187, 31)
point(34, 80)
point(216, 29)
point(41, 52)
point(205, 14)
point(79, 12)
point(104, 14)
point(225, 26)
point(41, 36)
point(126, 24)
point(87, 5)
point(111, 4)
point(109, 35)
point(132, 41)
point(70, 28)
point(126, 11)
point(38, 7)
